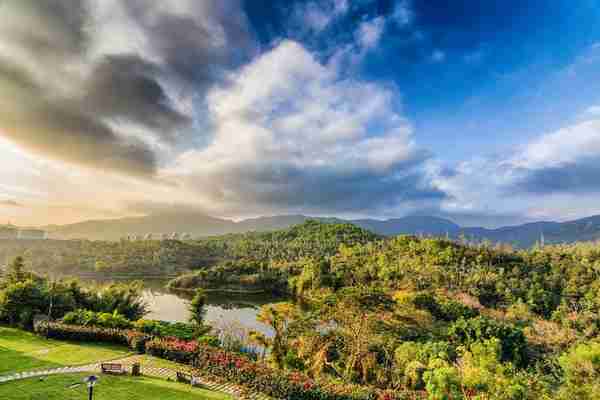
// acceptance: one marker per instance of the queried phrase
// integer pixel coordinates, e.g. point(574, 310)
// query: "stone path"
point(148, 369)
point(46, 372)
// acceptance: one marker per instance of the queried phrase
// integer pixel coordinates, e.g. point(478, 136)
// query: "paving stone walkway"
point(148, 369)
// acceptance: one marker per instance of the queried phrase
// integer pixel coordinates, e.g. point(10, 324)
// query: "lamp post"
point(91, 382)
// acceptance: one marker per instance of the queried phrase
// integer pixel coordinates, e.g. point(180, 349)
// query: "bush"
point(209, 340)
point(102, 320)
point(281, 384)
point(512, 340)
point(442, 381)
point(163, 329)
point(172, 349)
point(581, 366)
point(443, 308)
point(137, 341)
point(60, 331)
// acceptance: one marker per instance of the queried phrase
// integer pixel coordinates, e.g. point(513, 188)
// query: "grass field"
point(22, 351)
point(70, 387)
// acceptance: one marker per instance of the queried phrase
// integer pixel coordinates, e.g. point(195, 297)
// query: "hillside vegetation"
point(408, 317)
point(172, 256)
point(436, 318)
point(199, 225)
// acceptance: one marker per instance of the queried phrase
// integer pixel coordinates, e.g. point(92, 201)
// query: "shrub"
point(172, 349)
point(512, 340)
point(60, 331)
point(163, 329)
point(102, 320)
point(581, 366)
point(209, 340)
point(442, 381)
point(443, 308)
point(281, 384)
point(137, 341)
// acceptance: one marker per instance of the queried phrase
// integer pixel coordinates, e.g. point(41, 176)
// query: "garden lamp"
point(91, 382)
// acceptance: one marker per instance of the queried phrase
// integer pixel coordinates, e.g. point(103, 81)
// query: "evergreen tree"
point(16, 271)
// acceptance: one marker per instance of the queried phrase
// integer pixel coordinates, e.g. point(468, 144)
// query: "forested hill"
point(198, 226)
point(310, 239)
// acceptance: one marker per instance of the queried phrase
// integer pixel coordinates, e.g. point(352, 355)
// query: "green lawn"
point(22, 351)
point(70, 387)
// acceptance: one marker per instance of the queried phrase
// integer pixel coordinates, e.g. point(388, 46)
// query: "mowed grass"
point(70, 387)
point(23, 351)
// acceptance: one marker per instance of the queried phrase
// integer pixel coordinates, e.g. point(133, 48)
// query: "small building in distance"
point(32, 234)
point(9, 232)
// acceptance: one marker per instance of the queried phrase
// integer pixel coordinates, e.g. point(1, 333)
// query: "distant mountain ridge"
point(199, 225)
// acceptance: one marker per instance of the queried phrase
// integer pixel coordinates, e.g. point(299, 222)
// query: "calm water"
point(231, 311)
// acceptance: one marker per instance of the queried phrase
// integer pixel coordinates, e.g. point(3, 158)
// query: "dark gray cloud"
point(574, 177)
point(192, 50)
point(123, 86)
point(60, 129)
point(278, 187)
point(62, 104)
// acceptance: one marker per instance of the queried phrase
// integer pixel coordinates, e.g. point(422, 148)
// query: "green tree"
point(198, 307)
point(16, 271)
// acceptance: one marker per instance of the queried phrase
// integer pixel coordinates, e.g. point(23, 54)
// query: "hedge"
point(59, 331)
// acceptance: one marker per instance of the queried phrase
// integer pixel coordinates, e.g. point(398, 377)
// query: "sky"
point(483, 112)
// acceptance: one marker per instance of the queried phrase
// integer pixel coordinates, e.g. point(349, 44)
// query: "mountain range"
point(198, 225)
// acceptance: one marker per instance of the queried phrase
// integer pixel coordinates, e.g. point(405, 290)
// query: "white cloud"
point(369, 32)
point(317, 15)
point(403, 13)
point(565, 146)
point(592, 111)
point(554, 176)
point(289, 133)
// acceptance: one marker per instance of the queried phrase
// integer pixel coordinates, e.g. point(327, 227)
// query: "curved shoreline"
point(220, 290)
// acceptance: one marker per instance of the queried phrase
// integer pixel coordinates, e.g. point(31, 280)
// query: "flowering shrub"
point(172, 349)
point(229, 366)
point(281, 384)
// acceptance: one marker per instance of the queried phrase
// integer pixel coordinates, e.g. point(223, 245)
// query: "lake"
point(224, 310)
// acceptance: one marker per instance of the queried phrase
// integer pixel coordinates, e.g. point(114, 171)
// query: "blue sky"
point(485, 112)
point(499, 80)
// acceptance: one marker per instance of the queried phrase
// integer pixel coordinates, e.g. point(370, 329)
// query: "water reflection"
point(224, 310)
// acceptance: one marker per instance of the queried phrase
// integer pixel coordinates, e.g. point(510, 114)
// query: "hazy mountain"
point(410, 225)
point(114, 229)
point(527, 235)
point(199, 225)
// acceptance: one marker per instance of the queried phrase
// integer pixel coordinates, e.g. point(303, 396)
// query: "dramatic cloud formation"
point(290, 136)
point(123, 107)
point(73, 93)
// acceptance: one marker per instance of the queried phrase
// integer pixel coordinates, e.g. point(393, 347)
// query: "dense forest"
point(425, 317)
point(124, 257)
point(172, 256)
point(432, 315)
